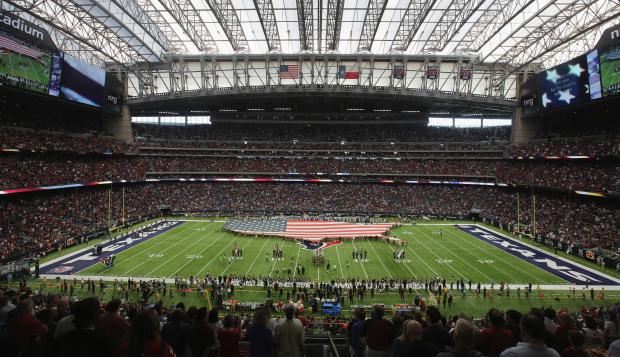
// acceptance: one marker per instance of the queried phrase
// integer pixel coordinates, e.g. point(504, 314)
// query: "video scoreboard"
point(589, 77)
point(29, 60)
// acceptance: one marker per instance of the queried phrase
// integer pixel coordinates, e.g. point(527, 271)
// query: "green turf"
point(16, 65)
point(92, 242)
point(199, 247)
point(470, 304)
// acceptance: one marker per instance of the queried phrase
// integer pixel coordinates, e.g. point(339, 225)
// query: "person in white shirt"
point(594, 335)
point(533, 335)
point(611, 330)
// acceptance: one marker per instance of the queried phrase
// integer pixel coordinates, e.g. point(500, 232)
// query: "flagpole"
point(109, 206)
point(123, 207)
point(534, 213)
point(518, 215)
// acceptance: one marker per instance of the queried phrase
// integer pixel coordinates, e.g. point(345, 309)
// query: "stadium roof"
point(508, 31)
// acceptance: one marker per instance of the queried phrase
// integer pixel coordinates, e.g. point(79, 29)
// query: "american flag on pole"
point(308, 230)
point(13, 46)
point(289, 71)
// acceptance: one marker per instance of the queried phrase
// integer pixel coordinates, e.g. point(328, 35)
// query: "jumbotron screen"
point(610, 71)
point(564, 85)
point(82, 82)
point(23, 66)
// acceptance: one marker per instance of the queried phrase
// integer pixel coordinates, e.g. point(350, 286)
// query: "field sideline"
point(200, 247)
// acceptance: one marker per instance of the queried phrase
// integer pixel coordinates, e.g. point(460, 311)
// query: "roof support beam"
point(374, 13)
point(334, 21)
point(451, 22)
point(575, 20)
point(305, 18)
point(500, 34)
point(139, 16)
point(495, 17)
point(416, 13)
point(76, 37)
point(224, 12)
point(115, 18)
point(189, 19)
point(72, 20)
point(155, 18)
point(267, 17)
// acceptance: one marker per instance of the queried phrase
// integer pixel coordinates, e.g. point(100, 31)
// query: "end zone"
point(568, 270)
point(84, 258)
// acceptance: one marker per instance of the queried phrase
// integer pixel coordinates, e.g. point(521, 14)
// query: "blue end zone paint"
point(571, 272)
point(76, 262)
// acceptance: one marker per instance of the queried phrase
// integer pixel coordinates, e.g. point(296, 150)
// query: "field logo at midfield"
point(320, 245)
point(80, 261)
point(571, 272)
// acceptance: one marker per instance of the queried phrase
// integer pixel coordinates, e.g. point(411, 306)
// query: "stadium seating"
point(42, 221)
point(37, 170)
point(35, 324)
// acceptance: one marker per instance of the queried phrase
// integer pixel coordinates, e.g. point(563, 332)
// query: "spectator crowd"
point(44, 220)
point(41, 323)
point(42, 171)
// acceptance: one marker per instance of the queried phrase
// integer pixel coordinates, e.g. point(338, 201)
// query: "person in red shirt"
point(25, 328)
point(144, 340)
point(561, 333)
point(111, 324)
point(378, 333)
point(496, 338)
point(576, 345)
point(229, 338)
point(202, 335)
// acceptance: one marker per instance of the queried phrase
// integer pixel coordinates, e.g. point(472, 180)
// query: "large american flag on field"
point(13, 46)
point(289, 71)
point(307, 230)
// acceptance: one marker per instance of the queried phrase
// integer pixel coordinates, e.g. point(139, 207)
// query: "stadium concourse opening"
point(309, 178)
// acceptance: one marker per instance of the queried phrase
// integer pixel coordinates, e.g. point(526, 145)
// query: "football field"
point(19, 66)
point(196, 248)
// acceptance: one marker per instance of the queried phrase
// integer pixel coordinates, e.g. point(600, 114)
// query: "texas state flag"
point(342, 73)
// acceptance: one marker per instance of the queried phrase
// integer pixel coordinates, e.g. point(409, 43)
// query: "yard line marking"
point(245, 246)
point(128, 260)
point(258, 255)
point(182, 251)
point(339, 262)
point(297, 261)
point(152, 246)
point(471, 243)
point(381, 260)
point(276, 261)
point(189, 261)
point(404, 263)
point(435, 254)
point(406, 267)
point(214, 257)
point(420, 259)
point(456, 256)
point(353, 242)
